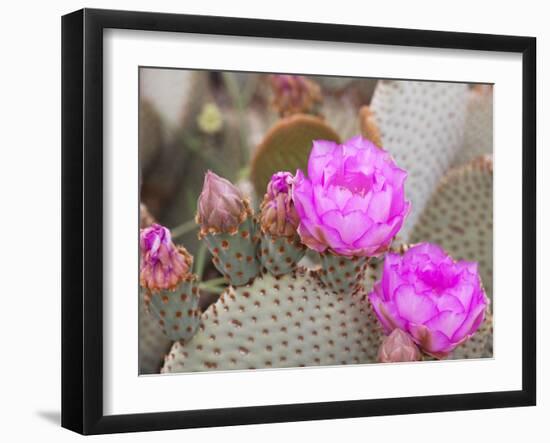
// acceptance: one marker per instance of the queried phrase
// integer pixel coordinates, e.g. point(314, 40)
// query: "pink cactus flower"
point(439, 302)
point(163, 265)
point(398, 347)
point(278, 216)
point(353, 200)
point(221, 206)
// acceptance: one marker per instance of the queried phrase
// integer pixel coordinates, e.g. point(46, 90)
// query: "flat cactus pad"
point(290, 321)
point(422, 126)
point(153, 344)
point(286, 147)
point(478, 132)
point(459, 216)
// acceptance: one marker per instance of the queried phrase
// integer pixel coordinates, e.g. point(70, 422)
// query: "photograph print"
point(292, 220)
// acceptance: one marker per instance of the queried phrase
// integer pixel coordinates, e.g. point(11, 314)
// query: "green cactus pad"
point(280, 255)
point(177, 311)
point(342, 275)
point(235, 255)
point(153, 344)
point(287, 321)
point(422, 126)
point(286, 147)
point(459, 217)
point(478, 132)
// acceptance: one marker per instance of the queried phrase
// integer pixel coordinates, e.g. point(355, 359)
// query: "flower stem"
point(208, 288)
point(184, 228)
point(201, 260)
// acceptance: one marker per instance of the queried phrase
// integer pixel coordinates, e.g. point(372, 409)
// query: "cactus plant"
point(170, 289)
point(478, 130)
point(306, 317)
point(228, 228)
point(153, 343)
point(341, 274)
point(286, 321)
point(287, 310)
point(280, 247)
point(290, 321)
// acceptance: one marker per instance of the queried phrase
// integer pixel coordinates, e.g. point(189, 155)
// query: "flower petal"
point(413, 307)
point(386, 312)
point(350, 226)
point(380, 204)
point(448, 302)
point(302, 195)
point(309, 240)
point(446, 322)
point(434, 343)
point(321, 154)
point(379, 234)
point(471, 322)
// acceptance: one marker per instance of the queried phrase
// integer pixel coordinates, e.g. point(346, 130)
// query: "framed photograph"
point(270, 221)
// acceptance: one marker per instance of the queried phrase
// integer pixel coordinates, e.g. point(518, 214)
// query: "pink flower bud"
point(221, 206)
point(398, 347)
point(163, 265)
point(278, 216)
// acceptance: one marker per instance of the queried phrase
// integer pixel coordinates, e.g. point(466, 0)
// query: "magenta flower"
point(221, 206)
point(398, 347)
point(163, 265)
point(440, 303)
point(278, 216)
point(353, 200)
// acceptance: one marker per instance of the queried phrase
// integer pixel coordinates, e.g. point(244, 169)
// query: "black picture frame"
point(82, 220)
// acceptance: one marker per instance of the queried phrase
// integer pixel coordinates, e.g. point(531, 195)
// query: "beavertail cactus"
point(286, 321)
point(478, 130)
point(228, 228)
point(280, 247)
point(170, 289)
point(440, 303)
point(362, 294)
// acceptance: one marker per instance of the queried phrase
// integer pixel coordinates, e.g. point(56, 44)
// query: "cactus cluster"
point(298, 280)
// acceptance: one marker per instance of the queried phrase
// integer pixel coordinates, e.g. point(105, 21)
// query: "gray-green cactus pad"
point(280, 255)
point(289, 321)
